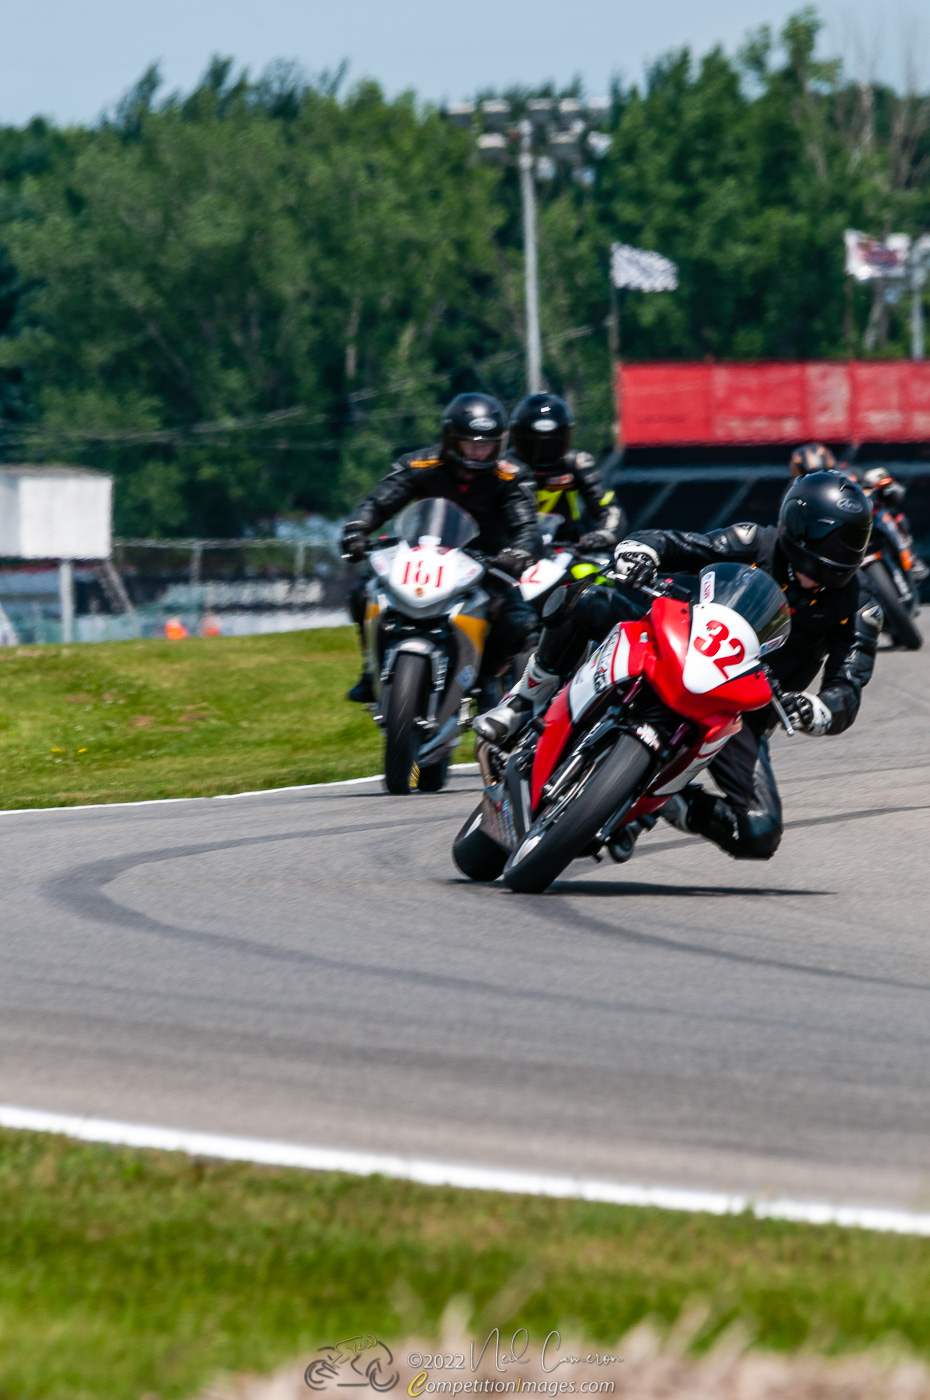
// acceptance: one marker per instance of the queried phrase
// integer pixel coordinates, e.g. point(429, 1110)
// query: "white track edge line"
point(429, 1173)
point(217, 796)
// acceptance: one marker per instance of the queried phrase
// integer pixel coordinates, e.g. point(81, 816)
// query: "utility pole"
point(66, 597)
point(917, 319)
point(918, 266)
point(530, 262)
point(548, 134)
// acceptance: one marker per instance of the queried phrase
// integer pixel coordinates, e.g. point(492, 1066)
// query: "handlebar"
point(778, 703)
point(664, 588)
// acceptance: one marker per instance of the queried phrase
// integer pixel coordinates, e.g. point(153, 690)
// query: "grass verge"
point(128, 1273)
point(122, 721)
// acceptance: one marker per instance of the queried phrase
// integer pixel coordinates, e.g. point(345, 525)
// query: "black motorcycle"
point(887, 568)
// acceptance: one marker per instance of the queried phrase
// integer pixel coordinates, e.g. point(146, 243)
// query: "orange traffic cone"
point(175, 629)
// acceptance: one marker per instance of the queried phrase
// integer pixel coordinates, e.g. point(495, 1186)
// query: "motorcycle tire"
point(406, 704)
point(532, 868)
point(475, 854)
point(433, 776)
point(898, 621)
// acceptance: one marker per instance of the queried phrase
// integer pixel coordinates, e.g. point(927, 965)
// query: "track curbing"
point(217, 796)
point(461, 1176)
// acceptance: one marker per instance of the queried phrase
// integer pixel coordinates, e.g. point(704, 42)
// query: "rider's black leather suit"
point(837, 629)
point(573, 490)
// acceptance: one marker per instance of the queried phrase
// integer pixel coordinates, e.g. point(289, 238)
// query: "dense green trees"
point(241, 301)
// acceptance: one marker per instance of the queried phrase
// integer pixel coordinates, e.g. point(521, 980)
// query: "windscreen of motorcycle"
point(549, 525)
point(436, 522)
point(741, 615)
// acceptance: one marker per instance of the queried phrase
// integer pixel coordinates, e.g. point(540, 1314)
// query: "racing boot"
point(699, 813)
point(529, 697)
point(362, 692)
point(623, 843)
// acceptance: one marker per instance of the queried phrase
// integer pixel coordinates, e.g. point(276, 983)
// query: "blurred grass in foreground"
point(121, 721)
point(130, 1273)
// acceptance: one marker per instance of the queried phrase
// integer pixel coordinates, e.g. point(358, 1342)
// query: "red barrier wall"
point(685, 404)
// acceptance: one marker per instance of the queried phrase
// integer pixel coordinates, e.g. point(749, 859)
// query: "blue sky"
point(70, 59)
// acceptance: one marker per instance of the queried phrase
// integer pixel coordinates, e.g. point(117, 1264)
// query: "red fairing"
point(551, 743)
point(671, 630)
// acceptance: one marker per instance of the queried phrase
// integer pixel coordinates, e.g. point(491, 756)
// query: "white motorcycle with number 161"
point(426, 621)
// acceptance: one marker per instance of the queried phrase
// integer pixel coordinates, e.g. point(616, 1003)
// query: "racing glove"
point(808, 712)
point(354, 543)
point(512, 561)
point(636, 564)
point(596, 542)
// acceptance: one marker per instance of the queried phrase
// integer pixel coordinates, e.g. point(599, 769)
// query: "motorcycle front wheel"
point(547, 849)
point(898, 621)
point(406, 704)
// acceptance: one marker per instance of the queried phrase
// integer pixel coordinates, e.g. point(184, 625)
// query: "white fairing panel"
point(705, 755)
point(543, 574)
point(722, 645)
point(420, 576)
point(608, 665)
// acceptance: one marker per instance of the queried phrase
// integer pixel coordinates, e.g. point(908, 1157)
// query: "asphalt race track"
point(307, 966)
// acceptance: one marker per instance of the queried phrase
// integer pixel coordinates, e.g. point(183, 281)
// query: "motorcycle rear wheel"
point(406, 704)
point(898, 622)
point(475, 854)
point(532, 868)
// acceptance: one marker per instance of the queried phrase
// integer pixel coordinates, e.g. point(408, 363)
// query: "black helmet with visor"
point(473, 429)
point(541, 433)
point(824, 526)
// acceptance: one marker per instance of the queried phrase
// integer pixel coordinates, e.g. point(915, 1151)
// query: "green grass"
point(123, 721)
point(126, 1273)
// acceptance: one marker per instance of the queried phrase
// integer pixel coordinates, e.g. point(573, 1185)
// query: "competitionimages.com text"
point(421, 1385)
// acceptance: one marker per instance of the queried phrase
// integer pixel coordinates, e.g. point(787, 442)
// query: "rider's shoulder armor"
point(421, 459)
point(742, 536)
point(507, 470)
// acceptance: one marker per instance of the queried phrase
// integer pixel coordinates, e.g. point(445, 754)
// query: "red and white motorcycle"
point(641, 718)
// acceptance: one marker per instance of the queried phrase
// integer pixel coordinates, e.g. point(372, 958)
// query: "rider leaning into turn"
point(567, 482)
point(467, 467)
point(813, 553)
point(877, 483)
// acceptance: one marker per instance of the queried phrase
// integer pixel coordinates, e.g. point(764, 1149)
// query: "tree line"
point(242, 300)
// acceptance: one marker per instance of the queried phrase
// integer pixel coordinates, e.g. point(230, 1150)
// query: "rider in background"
point(814, 554)
point(567, 482)
point(466, 467)
point(815, 457)
point(877, 483)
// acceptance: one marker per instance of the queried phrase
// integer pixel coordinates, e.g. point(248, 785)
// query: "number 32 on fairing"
point(722, 645)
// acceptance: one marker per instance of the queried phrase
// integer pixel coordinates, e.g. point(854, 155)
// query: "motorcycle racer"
point(813, 554)
point(812, 457)
point(878, 484)
point(467, 467)
point(567, 482)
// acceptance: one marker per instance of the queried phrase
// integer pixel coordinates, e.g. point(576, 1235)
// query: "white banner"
point(641, 270)
point(868, 259)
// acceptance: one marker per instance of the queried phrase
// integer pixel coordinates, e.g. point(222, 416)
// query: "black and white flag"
point(643, 271)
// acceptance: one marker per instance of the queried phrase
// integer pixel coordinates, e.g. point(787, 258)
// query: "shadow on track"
point(631, 889)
